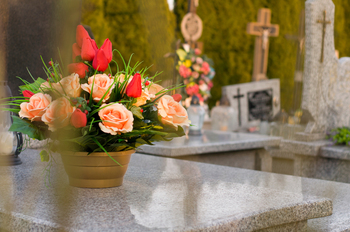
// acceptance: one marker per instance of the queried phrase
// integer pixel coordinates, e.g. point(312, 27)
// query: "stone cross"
point(324, 24)
point(326, 87)
point(238, 97)
point(263, 29)
point(299, 39)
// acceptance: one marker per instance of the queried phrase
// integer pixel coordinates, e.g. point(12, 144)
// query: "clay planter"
point(96, 170)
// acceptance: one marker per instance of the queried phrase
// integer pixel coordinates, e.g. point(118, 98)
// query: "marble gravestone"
point(254, 102)
point(326, 91)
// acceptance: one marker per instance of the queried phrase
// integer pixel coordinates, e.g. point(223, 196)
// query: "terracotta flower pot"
point(96, 170)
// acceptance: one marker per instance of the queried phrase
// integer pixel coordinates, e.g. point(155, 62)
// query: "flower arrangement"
point(196, 73)
point(89, 110)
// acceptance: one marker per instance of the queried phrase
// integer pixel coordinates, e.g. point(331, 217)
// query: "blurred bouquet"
point(196, 72)
point(90, 111)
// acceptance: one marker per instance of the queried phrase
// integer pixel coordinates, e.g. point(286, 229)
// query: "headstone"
point(37, 28)
point(326, 87)
point(299, 39)
point(254, 102)
point(263, 29)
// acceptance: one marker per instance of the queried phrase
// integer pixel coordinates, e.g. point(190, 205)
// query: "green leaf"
point(158, 127)
point(25, 127)
point(99, 144)
point(136, 111)
point(33, 87)
point(44, 156)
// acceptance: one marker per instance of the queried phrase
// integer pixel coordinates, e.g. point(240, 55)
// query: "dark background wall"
point(35, 28)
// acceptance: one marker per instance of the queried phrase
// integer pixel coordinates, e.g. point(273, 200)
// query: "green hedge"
point(232, 49)
point(143, 28)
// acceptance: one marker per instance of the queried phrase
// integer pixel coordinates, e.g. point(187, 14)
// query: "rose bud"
point(87, 50)
point(107, 48)
point(78, 68)
point(177, 97)
point(100, 61)
point(27, 93)
point(50, 63)
point(134, 88)
point(78, 119)
point(76, 51)
point(81, 34)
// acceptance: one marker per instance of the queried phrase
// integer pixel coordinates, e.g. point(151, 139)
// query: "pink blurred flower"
point(184, 71)
point(205, 68)
point(197, 51)
point(201, 82)
point(195, 75)
point(210, 85)
point(199, 60)
point(190, 90)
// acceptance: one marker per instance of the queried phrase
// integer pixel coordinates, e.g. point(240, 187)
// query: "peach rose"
point(70, 85)
point(36, 107)
point(58, 114)
point(101, 85)
point(171, 112)
point(154, 89)
point(116, 119)
point(143, 98)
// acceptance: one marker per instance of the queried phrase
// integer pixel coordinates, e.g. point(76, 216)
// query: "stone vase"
point(96, 170)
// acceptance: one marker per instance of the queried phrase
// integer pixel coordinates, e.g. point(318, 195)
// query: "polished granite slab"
point(336, 152)
point(210, 142)
point(163, 194)
point(304, 148)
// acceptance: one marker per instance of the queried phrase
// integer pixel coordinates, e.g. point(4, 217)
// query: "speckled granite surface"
point(304, 148)
point(336, 152)
point(158, 194)
point(211, 142)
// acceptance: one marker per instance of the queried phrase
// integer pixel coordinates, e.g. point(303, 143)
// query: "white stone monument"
point(326, 90)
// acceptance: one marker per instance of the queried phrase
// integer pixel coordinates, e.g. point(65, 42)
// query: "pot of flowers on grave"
point(196, 73)
point(95, 120)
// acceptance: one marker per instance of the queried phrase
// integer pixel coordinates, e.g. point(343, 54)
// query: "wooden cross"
point(324, 24)
point(238, 97)
point(298, 74)
point(263, 29)
point(192, 6)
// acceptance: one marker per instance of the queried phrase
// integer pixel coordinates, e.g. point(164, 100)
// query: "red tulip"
point(100, 61)
point(76, 51)
point(78, 68)
point(87, 50)
point(27, 93)
point(134, 88)
point(94, 45)
point(107, 48)
point(78, 119)
point(177, 97)
point(81, 34)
